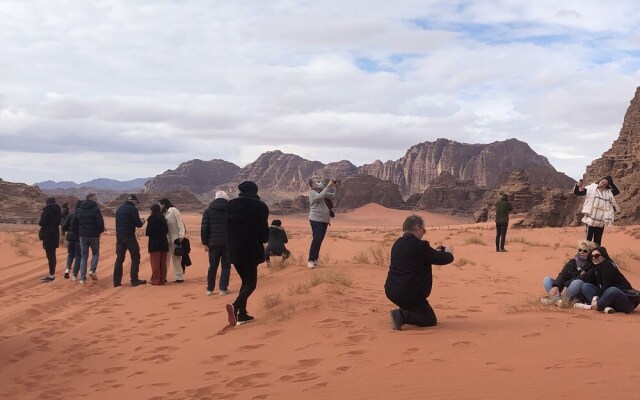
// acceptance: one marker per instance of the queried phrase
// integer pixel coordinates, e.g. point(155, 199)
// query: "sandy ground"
point(494, 340)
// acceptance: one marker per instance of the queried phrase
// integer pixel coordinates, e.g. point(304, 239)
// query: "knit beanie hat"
point(248, 187)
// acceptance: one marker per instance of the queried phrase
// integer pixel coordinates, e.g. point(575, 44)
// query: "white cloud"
point(158, 83)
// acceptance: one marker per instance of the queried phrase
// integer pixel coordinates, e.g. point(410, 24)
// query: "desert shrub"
point(335, 289)
point(271, 300)
point(361, 258)
point(300, 288)
point(22, 251)
point(519, 239)
point(475, 240)
point(330, 276)
point(459, 262)
point(381, 255)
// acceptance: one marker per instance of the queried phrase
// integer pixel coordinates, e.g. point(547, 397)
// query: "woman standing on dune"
point(157, 230)
point(177, 232)
point(599, 206)
point(50, 235)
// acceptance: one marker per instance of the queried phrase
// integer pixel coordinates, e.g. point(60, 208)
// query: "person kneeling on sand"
point(277, 240)
point(568, 283)
point(606, 287)
point(410, 277)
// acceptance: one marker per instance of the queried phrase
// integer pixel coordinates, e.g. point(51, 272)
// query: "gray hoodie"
point(318, 209)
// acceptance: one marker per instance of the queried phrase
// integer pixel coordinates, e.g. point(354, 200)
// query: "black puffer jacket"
point(213, 229)
point(71, 232)
point(88, 219)
point(49, 226)
point(277, 238)
point(247, 229)
point(569, 273)
point(127, 219)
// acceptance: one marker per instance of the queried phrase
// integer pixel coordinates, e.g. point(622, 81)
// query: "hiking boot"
point(243, 318)
point(48, 279)
point(138, 282)
point(93, 275)
point(396, 320)
point(231, 315)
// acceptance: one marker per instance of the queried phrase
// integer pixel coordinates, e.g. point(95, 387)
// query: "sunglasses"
point(583, 251)
point(595, 256)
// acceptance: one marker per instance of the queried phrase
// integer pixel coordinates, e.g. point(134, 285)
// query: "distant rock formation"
point(558, 208)
point(448, 195)
point(481, 163)
point(183, 200)
point(195, 176)
point(100, 183)
point(336, 170)
point(19, 200)
point(523, 195)
point(358, 190)
point(622, 162)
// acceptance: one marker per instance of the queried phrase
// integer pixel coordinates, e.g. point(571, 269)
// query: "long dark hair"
point(166, 204)
point(603, 252)
point(155, 210)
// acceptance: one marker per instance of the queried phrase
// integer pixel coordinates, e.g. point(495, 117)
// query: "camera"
point(335, 182)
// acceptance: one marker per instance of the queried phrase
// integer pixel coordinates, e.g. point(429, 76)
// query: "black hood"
point(87, 204)
point(218, 204)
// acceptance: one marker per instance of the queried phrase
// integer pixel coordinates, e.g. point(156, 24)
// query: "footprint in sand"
point(166, 336)
point(411, 350)
point(461, 343)
point(250, 347)
point(343, 368)
point(272, 333)
point(310, 362)
point(456, 316)
point(534, 334)
point(158, 358)
point(113, 370)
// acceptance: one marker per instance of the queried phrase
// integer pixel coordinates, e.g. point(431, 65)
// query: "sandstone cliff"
point(22, 201)
point(358, 190)
point(481, 163)
point(622, 162)
point(448, 195)
point(195, 176)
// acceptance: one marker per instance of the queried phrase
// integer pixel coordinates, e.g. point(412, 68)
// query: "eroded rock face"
point(558, 208)
point(19, 200)
point(481, 163)
point(523, 194)
point(448, 195)
point(622, 162)
point(358, 190)
point(195, 176)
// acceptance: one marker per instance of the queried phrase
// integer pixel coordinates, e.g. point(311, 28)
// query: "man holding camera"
point(410, 277)
point(321, 196)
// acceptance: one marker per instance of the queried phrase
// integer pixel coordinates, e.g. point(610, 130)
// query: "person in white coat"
point(599, 206)
point(177, 232)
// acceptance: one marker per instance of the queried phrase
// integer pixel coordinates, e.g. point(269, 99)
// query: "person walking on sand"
point(90, 224)
point(247, 230)
point(177, 232)
point(410, 278)
point(503, 208)
point(277, 240)
point(157, 231)
point(73, 244)
point(319, 215)
point(599, 206)
point(213, 234)
point(127, 220)
point(50, 235)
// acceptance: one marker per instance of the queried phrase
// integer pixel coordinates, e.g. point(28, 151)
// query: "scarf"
point(581, 262)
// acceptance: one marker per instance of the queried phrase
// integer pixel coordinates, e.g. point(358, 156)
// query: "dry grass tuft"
point(330, 276)
point(475, 240)
point(459, 262)
point(361, 258)
point(300, 288)
point(626, 259)
point(519, 239)
point(271, 300)
point(533, 303)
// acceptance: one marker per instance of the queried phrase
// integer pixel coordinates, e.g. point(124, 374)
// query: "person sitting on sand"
point(568, 283)
point(410, 277)
point(605, 285)
point(277, 239)
point(599, 206)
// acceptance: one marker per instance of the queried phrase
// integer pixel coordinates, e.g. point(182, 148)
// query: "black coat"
point(157, 231)
point(71, 232)
point(127, 219)
point(410, 276)
point(606, 275)
point(569, 273)
point(50, 226)
point(213, 229)
point(247, 229)
point(277, 239)
point(88, 219)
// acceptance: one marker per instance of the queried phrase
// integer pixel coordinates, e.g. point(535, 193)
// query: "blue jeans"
point(85, 244)
point(612, 297)
point(218, 256)
point(318, 231)
point(73, 257)
point(573, 290)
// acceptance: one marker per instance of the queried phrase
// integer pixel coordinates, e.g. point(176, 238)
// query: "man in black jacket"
point(50, 235)
point(127, 220)
point(247, 230)
point(90, 224)
point(213, 233)
point(410, 277)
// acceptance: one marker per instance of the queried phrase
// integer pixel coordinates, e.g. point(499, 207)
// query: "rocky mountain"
point(100, 183)
point(19, 200)
point(448, 195)
point(104, 195)
point(481, 163)
point(181, 199)
point(622, 162)
point(358, 190)
point(195, 176)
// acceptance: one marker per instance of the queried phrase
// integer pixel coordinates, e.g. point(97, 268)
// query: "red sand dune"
point(493, 341)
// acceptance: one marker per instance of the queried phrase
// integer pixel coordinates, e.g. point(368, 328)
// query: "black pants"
point(417, 312)
point(249, 277)
point(51, 258)
point(318, 231)
point(276, 251)
point(594, 233)
point(501, 235)
point(124, 243)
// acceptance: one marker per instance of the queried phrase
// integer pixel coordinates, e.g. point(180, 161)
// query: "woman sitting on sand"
point(605, 285)
point(568, 283)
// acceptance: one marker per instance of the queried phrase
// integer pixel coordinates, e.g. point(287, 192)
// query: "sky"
point(128, 89)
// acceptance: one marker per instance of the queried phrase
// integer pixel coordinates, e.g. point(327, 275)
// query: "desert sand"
point(494, 340)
